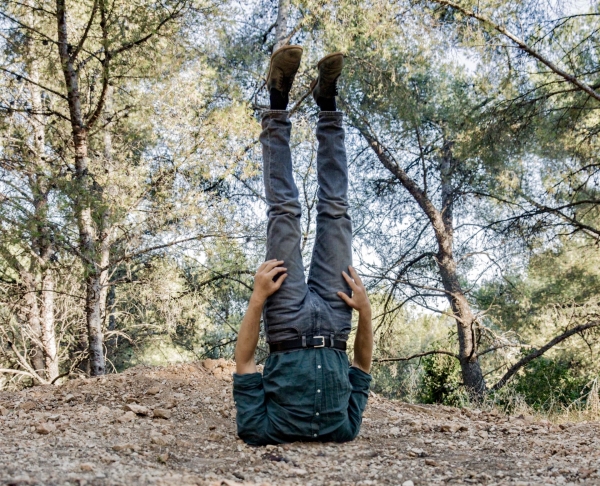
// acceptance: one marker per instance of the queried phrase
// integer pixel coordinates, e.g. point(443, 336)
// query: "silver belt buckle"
point(322, 338)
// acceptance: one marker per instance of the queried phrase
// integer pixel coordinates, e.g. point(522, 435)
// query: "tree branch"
point(539, 352)
point(85, 32)
point(32, 82)
point(419, 355)
point(523, 46)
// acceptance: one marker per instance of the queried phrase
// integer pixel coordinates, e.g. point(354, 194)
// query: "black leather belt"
point(308, 342)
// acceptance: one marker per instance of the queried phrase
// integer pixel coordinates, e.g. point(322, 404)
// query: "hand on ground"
point(359, 299)
point(264, 285)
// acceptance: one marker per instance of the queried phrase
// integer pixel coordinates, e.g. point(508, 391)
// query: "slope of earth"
point(176, 426)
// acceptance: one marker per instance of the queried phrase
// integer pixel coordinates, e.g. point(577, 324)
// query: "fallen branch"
point(419, 355)
point(539, 352)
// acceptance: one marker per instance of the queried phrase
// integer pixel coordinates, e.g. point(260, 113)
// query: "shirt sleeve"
point(249, 400)
point(360, 382)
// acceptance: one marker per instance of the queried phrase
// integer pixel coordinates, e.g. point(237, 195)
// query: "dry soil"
point(176, 426)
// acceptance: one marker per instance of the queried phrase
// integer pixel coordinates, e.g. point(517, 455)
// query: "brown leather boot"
point(325, 86)
point(285, 62)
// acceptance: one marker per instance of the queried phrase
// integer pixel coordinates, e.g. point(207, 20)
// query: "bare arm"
point(247, 340)
point(363, 344)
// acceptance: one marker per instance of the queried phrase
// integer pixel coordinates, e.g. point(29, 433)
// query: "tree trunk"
point(95, 312)
point(43, 245)
point(36, 354)
point(48, 326)
point(281, 26)
point(442, 224)
point(465, 320)
point(95, 277)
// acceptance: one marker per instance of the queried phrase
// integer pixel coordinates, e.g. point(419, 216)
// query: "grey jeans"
point(310, 307)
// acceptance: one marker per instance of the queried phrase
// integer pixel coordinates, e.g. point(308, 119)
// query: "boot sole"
point(329, 56)
point(314, 82)
point(281, 49)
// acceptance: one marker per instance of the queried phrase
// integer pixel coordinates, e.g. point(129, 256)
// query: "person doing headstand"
point(308, 390)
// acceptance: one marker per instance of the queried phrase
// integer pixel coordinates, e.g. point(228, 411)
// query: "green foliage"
point(548, 382)
point(441, 381)
point(397, 380)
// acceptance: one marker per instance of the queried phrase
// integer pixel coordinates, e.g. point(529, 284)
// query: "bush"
point(441, 381)
point(547, 382)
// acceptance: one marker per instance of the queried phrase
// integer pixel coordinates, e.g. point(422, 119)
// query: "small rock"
point(3, 412)
point(137, 409)
point(160, 440)
point(153, 391)
point(27, 406)
point(123, 447)
point(162, 413)
point(164, 457)
point(103, 410)
point(86, 466)
point(431, 462)
point(408, 483)
point(45, 428)
point(209, 364)
point(229, 482)
point(483, 434)
point(298, 471)
point(416, 452)
point(69, 398)
point(394, 431)
point(127, 417)
point(450, 428)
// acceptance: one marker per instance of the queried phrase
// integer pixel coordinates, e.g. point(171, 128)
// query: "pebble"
point(45, 428)
point(137, 409)
point(127, 417)
point(162, 413)
point(27, 406)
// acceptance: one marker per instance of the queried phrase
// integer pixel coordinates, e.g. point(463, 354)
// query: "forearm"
point(363, 344)
point(248, 337)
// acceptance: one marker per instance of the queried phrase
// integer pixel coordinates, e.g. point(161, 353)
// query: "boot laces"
point(285, 83)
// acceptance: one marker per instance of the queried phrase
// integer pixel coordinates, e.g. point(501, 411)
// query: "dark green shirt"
point(305, 394)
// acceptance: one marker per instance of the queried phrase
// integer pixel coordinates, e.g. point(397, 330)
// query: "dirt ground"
point(176, 426)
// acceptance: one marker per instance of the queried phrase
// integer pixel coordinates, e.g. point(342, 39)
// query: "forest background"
point(132, 214)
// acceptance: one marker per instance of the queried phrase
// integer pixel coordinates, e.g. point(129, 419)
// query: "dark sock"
point(279, 100)
point(326, 104)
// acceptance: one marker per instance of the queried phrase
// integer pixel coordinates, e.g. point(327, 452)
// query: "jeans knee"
point(291, 208)
point(333, 209)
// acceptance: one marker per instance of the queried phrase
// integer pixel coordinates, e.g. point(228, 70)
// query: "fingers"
point(351, 282)
point(275, 271)
point(271, 264)
point(345, 298)
point(355, 275)
point(280, 281)
point(267, 265)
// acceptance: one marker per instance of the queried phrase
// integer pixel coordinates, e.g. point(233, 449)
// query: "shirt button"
point(317, 414)
point(314, 435)
point(318, 391)
point(319, 366)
